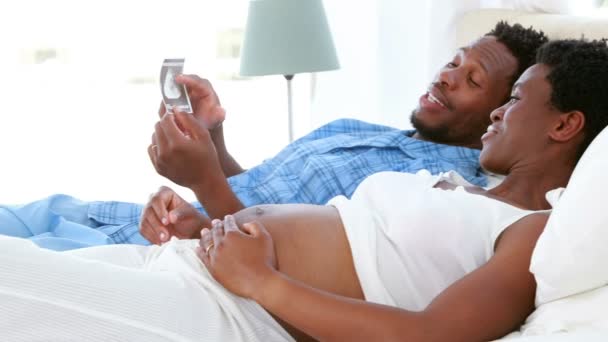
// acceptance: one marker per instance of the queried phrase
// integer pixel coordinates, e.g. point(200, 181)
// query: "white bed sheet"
point(582, 317)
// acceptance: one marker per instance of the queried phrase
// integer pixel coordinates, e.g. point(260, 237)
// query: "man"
point(330, 161)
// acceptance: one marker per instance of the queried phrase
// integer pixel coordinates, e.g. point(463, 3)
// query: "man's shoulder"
point(348, 125)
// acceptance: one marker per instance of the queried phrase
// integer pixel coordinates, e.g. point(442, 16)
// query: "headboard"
point(474, 24)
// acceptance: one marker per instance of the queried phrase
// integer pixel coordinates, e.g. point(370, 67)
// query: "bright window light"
point(80, 92)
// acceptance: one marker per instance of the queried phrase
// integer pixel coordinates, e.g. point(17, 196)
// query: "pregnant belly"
point(310, 244)
point(311, 247)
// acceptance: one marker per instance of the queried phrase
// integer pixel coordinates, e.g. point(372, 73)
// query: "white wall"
point(352, 90)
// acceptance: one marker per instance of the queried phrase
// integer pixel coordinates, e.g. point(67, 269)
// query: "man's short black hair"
point(579, 80)
point(522, 42)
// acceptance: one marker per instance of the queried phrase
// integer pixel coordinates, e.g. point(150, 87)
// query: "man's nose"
point(448, 79)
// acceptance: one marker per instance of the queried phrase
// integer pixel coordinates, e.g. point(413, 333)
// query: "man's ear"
point(568, 126)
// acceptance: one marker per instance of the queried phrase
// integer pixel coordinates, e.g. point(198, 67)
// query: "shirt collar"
point(422, 149)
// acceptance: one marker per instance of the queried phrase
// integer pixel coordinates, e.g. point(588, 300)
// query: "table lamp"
point(286, 37)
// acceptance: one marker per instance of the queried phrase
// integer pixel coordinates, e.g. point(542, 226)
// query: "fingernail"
point(172, 218)
point(162, 236)
point(164, 221)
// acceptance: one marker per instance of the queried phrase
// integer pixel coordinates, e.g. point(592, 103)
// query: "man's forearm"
point(217, 197)
point(229, 165)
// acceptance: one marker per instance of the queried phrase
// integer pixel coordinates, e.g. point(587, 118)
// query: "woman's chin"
point(487, 163)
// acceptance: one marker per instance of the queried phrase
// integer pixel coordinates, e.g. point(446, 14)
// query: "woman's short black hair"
point(579, 80)
point(522, 42)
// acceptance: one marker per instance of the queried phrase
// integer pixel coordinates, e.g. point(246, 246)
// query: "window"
point(228, 52)
point(80, 92)
point(603, 10)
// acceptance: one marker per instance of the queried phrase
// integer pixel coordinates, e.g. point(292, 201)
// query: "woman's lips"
point(489, 132)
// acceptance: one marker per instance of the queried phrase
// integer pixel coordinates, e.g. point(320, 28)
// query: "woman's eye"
point(513, 99)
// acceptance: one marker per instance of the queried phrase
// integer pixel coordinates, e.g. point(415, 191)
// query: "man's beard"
point(439, 134)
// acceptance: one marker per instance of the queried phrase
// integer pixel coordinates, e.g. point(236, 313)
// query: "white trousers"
point(121, 293)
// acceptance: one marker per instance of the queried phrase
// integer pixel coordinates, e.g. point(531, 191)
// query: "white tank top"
point(410, 240)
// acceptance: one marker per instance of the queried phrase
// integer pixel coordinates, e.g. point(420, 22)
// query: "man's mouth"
point(433, 99)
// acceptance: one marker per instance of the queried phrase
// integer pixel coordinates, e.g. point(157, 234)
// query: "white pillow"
point(571, 255)
point(544, 6)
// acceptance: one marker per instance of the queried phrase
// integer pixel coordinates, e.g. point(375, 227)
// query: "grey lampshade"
point(286, 37)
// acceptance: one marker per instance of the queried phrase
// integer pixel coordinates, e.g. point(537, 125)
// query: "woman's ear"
point(568, 126)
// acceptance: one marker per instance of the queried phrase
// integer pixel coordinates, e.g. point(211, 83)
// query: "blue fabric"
point(332, 160)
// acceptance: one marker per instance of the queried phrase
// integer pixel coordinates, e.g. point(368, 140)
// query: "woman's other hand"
point(167, 214)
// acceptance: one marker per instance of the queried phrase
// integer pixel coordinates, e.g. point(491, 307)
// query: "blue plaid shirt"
point(332, 160)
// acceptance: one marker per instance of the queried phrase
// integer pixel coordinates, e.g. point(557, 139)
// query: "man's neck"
point(476, 145)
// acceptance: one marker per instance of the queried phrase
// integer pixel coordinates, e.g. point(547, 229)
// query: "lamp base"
point(289, 107)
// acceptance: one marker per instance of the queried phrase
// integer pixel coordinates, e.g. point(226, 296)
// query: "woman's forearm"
point(329, 317)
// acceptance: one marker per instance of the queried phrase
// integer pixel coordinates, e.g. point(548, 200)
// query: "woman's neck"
point(527, 186)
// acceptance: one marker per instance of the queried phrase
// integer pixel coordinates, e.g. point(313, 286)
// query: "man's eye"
point(475, 84)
